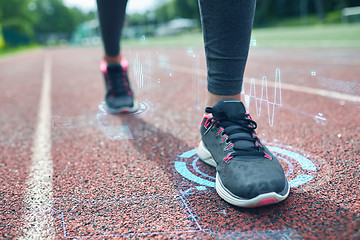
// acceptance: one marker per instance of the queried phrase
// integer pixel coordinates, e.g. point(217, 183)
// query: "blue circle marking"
point(198, 170)
point(303, 161)
point(184, 171)
point(291, 167)
point(188, 154)
point(299, 180)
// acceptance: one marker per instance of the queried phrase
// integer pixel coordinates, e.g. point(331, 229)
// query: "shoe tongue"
point(114, 67)
point(231, 107)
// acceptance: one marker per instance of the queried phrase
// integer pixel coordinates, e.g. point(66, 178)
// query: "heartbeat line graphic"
point(276, 101)
point(196, 83)
point(264, 96)
point(140, 78)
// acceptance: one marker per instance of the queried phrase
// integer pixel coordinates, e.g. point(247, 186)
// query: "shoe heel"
point(205, 155)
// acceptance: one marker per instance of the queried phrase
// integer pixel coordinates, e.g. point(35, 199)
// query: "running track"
point(69, 170)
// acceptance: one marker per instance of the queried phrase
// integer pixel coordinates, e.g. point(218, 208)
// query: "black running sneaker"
point(247, 173)
point(119, 97)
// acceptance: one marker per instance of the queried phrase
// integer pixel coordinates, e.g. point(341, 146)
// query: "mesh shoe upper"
point(246, 167)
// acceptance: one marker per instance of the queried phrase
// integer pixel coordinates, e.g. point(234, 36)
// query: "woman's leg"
point(111, 17)
point(119, 97)
point(247, 173)
point(226, 28)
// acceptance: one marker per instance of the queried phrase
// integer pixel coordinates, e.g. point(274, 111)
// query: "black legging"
point(111, 17)
point(226, 28)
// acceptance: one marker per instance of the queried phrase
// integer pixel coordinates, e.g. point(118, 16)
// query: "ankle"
point(213, 98)
point(112, 59)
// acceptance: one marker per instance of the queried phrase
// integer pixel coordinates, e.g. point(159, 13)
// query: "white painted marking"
point(314, 91)
point(287, 86)
point(38, 217)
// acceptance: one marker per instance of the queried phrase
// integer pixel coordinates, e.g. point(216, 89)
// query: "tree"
point(17, 21)
point(53, 16)
point(56, 20)
point(187, 9)
point(165, 12)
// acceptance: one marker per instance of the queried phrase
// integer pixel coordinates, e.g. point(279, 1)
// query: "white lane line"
point(314, 91)
point(287, 86)
point(38, 217)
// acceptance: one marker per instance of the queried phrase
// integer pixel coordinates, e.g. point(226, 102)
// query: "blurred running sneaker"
point(119, 98)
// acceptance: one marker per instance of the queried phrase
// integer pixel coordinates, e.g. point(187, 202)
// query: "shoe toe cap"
point(119, 101)
point(250, 179)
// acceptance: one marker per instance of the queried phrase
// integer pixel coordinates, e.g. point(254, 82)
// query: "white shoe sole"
point(123, 110)
point(260, 200)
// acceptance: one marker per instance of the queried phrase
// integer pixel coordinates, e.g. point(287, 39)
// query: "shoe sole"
point(224, 193)
point(123, 110)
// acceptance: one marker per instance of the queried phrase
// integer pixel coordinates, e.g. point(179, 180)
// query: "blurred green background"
point(278, 23)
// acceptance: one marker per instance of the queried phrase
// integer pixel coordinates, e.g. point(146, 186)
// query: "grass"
point(10, 51)
point(318, 36)
point(181, 40)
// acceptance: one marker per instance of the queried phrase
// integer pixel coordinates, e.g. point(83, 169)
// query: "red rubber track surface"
point(114, 177)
